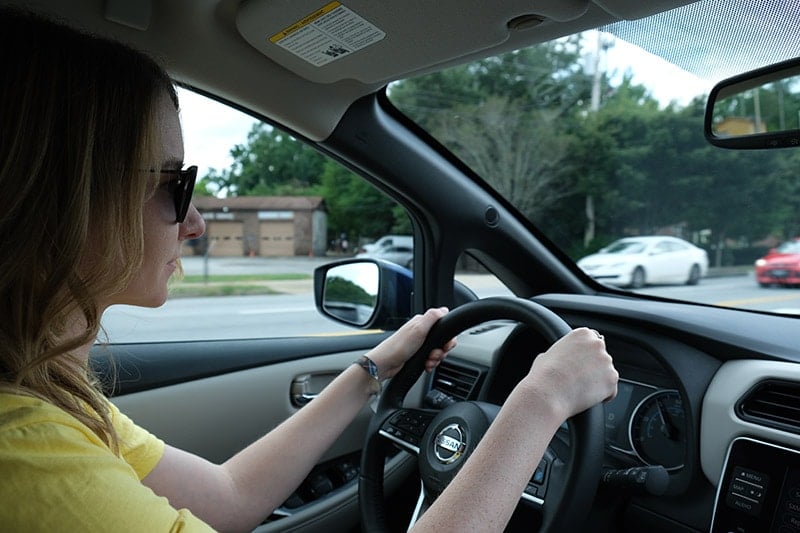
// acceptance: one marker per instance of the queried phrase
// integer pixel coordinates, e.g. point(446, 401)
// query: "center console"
point(759, 491)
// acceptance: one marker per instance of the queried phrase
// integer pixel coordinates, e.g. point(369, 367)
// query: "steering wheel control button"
point(449, 444)
point(408, 426)
point(540, 473)
point(537, 485)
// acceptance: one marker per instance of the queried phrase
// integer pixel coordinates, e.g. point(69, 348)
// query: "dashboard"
point(683, 401)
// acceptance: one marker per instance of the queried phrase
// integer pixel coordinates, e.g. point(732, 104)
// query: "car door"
point(662, 262)
point(683, 258)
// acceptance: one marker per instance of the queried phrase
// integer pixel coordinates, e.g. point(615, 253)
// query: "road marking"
point(765, 299)
point(346, 333)
point(273, 310)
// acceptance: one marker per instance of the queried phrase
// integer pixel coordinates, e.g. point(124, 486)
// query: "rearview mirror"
point(758, 109)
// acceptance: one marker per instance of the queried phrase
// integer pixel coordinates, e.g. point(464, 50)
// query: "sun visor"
point(374, 42)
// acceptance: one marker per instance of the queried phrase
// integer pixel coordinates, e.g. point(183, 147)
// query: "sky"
point(651, 71)
point(211, 129)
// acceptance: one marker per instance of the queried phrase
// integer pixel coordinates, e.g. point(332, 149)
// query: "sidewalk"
point(721, 272)
point(216, 266)
point(226, 266)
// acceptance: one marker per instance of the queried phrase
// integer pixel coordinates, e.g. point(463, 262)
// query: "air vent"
point(773, 403)
point(458, 380)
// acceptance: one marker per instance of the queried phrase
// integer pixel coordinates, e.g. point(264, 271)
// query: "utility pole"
point(594, 105)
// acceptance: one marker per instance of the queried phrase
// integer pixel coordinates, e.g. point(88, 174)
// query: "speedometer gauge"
point(658, 430)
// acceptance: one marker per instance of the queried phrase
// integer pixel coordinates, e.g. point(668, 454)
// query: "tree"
point(523, 156)
point(356, 208)
point(339, 290)
point(507, 117)
point(204, 186)
point(270, 163)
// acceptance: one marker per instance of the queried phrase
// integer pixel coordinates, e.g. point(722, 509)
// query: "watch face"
point(375, 386)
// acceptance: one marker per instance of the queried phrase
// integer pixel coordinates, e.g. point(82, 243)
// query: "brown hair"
point(78, 125)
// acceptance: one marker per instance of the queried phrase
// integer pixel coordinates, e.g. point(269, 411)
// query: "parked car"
point(781, 266)
point(507, 132)
point(406, 241)
point(638, 261)
point(400, 254)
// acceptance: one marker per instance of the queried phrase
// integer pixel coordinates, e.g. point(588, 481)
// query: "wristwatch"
point(370, 368)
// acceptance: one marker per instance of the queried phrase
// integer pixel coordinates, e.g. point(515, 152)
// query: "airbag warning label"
point(328, 34)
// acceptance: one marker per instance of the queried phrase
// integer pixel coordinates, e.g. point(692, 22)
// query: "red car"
point(781, 266)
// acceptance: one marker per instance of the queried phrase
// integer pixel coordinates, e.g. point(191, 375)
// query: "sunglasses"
point(181, 189)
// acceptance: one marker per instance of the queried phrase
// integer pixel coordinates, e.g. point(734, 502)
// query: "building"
point(261, 226)
point(736, 126)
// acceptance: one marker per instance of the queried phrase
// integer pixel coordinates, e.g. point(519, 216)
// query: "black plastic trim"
point(747, 412)
point(135, 367)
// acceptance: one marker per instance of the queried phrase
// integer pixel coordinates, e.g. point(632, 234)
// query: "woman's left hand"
point(392, 353)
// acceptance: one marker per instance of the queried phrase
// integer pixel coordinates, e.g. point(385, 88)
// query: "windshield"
point(593, 139)
point(790, 247)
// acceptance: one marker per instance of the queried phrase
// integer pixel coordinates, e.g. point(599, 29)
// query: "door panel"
point(214, 398)
point(217, 416)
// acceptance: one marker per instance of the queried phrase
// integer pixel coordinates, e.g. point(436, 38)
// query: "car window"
point(274, 209)
point(661, 247)
point(625, 248)
point(595, 138)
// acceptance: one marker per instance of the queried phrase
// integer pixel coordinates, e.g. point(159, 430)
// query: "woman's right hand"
point(575, 373)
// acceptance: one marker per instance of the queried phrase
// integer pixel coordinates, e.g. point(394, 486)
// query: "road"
point(233, 317)
point(734, 291)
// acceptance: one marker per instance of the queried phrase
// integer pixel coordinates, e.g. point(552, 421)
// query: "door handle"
point(299, 400)
point(301, 392)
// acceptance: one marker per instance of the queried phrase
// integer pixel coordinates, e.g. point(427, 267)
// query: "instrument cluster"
point(647, 423)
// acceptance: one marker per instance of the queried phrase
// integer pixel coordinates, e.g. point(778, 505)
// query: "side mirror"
point(371, 293)
point(365, 293)
point(758, 109)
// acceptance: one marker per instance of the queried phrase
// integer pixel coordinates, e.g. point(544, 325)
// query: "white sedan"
point(637, 261)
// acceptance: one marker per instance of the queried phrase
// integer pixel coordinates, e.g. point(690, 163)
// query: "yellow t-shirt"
point(57, 475)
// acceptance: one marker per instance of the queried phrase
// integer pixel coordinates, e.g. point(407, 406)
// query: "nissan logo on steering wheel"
point(449, 444)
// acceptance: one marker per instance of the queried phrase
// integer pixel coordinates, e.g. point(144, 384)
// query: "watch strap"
point(370, 368)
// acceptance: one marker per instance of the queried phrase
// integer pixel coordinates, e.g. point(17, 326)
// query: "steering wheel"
point(561, 490)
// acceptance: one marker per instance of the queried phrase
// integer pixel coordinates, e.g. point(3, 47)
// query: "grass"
point(200, 278)
point(198, 285)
